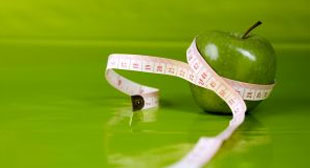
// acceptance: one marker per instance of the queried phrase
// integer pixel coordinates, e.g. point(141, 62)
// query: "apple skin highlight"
point(250, 60)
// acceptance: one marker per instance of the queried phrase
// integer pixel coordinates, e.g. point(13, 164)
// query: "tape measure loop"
point(196, 71)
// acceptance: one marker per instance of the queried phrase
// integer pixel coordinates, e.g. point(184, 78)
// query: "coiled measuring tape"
point(198, 72)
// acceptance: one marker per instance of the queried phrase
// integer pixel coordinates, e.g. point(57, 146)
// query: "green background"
point(57, 110)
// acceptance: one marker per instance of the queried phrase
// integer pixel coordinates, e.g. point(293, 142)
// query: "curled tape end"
point(137, 102)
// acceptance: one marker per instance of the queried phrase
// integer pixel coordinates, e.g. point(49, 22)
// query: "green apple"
point(241, 57)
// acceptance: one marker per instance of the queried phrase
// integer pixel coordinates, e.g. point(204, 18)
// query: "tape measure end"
point(137, 102)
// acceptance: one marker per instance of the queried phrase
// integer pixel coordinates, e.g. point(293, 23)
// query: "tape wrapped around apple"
point(241, 57)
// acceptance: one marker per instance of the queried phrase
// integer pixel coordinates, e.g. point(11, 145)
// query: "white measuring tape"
point(198, 72)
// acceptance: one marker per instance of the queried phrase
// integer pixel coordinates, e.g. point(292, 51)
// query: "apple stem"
point(245, 35)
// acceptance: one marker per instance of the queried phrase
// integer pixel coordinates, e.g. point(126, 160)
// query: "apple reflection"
point(152, 139)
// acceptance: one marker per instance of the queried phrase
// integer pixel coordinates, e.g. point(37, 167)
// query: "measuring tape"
point(198, 72)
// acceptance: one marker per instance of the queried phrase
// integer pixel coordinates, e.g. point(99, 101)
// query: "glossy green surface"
point(57, 110)
point(250, 60)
